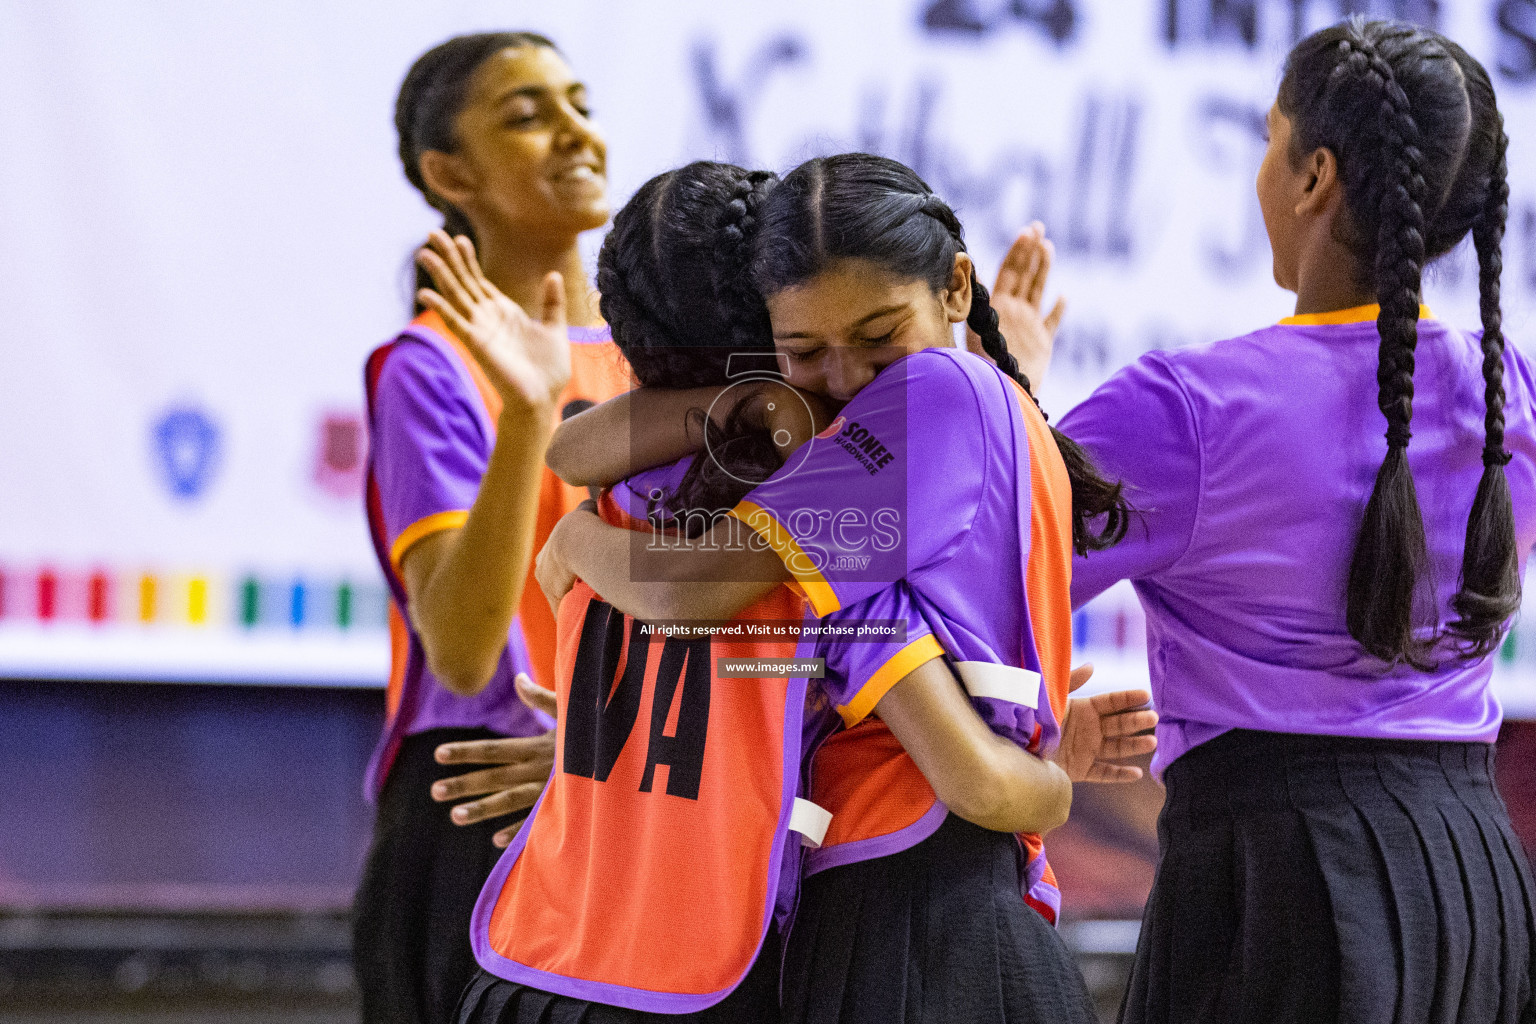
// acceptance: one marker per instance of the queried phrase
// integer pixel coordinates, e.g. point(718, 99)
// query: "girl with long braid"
point(939, 478)
point(495, 133)
point(647, 880)
point(1321, 607)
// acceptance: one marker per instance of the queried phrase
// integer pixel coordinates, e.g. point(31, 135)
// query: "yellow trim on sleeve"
point(919, 652)
point(426, 526)
point(1353, 315)
point(817, 590)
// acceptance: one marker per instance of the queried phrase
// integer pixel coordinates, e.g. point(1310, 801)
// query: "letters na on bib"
point(647, 875)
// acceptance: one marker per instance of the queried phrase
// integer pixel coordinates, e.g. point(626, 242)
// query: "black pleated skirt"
point(410, 932)
point(1320, 878)
point(937, 934)
point(493, 1000)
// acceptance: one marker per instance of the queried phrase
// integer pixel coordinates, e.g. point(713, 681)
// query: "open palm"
point(528, 361)
point(1019, 298)
point(1103, 729)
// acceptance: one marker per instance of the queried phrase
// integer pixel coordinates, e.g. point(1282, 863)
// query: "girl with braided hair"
point(1321, 605)
point(680, 832)
point(495, 133)
point(938, 480)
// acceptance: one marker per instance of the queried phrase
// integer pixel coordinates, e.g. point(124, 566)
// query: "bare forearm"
point(644, 428)
point(659, 578)
point(1027, 793)
point(982, 777)
point(462, 605)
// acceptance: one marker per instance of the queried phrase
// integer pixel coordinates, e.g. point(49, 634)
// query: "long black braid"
point(428, 105)
point(1389, 570)
point(1490, 568)
point(1411, 120)
point(738, 454)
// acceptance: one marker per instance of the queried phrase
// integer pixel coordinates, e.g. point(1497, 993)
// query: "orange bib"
point(646, 876)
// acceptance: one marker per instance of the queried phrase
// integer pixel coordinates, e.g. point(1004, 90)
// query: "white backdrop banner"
point(206, 229)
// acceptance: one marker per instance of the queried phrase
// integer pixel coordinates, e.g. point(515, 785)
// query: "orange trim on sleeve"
point(817, 590)
point(919, 652)
point(1353, 315)
point(424, 527)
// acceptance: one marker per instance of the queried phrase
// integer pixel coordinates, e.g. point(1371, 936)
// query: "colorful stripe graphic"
point(103, 597)
point(47, 593)
point(149, 593)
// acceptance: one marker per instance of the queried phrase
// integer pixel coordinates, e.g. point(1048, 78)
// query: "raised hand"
point(1103, 729)
point(528, 361)
point(1018, 298)
point(522, 767)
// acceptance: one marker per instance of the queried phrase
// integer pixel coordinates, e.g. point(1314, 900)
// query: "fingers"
point(552, 311)
point(474, 275)
point(1128, 723)
point(444, 279)
point(1013, 275)
point(535, 696)
point(543, 575)
point(1052, 321)
point(1117, 701)
point(503, 839)
point(508, 801)
point(504, 751)
point(1120, 747)
point(444, 261)
point(1113, 773)
point(459, 253)
point(1040, 267)
point(490, 780)
point(1080, 675)
point(443, 308)
point(1014, 260)
point(552, 576)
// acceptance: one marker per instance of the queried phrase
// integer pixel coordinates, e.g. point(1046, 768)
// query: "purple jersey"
point(926, 478)
point(430, 443)
point(1251, 461)
point(868, 647)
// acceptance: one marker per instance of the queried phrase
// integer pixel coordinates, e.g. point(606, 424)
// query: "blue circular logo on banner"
point(186, 442)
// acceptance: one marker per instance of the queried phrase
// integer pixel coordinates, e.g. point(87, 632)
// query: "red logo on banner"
point(339, 451)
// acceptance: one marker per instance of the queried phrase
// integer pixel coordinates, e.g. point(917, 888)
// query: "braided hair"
point(859, 206)
point(1489, 593)
point(671, 275)
point(1410, 118)
point(428, 106)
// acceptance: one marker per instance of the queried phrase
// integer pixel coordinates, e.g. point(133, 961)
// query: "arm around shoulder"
point(637, 430)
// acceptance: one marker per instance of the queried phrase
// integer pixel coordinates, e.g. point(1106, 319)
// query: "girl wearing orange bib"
point(940, 477)
point(650, 878)
point(457, 495)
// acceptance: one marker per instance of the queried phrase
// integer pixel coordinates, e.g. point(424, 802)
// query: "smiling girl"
point(496, 134)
